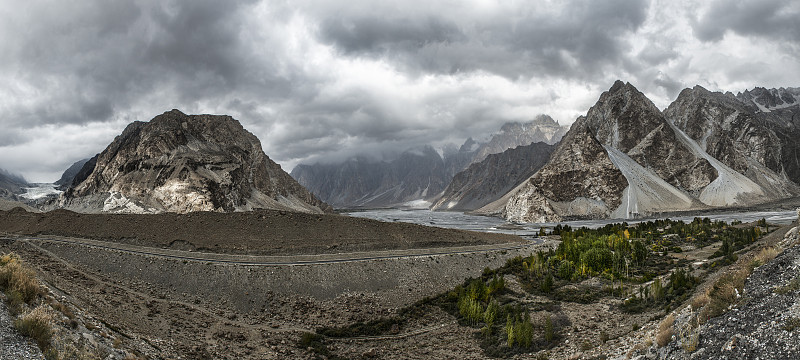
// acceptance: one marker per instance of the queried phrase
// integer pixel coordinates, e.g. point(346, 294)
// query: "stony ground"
point(763, 324)
point(111, 304)
point(263, 232)
point(12, 344)
point(156, 307)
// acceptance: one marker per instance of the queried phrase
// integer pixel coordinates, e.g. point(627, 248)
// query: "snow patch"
point(40, 191)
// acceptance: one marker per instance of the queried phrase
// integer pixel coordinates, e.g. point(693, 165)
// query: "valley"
point(164, 301)
point(624, 236)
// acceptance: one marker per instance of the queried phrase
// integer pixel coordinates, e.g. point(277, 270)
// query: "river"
point(463, 221)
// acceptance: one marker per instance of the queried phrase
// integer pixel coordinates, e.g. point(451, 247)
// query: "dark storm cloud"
point(570, 39)
point(322, 80)
point(96, 60)
point(670, 85)
point(775, 19)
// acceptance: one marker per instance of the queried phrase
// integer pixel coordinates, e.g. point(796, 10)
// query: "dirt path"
point(286, 260)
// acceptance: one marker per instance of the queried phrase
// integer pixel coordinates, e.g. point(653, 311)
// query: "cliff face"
point(744, 134)
point(183, 163)
point(486, 181)
point(706, 150)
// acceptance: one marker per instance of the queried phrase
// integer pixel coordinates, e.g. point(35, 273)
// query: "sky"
point(324, 80)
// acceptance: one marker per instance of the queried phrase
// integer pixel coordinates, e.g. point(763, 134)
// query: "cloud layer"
point(322, 80)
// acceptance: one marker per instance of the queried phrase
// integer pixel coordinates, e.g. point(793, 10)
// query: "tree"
point(549, 331)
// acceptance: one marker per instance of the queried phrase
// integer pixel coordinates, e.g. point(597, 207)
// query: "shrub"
point(723, 294)
point(16, 277)
point(764, 256)
point(657, 290)
point(523, 329)
point(792, 286)
point(37, 325)
point(791, 324)
point(510, 333)
point(547, 284)
point(490, 314)
point(549, 330)
point(566, 269)
point(471, 309)
point(597, 259)
point(690, 337)
point(664, 335)
point(700, 300)
point(603, 337)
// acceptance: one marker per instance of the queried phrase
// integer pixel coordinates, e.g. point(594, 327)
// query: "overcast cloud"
point(322, 80)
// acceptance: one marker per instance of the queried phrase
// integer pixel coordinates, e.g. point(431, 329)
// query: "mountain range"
point(626, 158)
point(417, 177)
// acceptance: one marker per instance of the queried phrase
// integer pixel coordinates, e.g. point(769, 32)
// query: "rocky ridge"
point(682, 159)
point(486, 181)
point(513, 134)
point(183, 163)
point(11, 185)
point(69, 175)
point(418, 176)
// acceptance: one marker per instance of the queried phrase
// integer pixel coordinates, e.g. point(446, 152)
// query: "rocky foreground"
point(765, 322)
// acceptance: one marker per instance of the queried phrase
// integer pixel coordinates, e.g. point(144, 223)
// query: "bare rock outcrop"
point(734, 130)
point(579, 179)
point(486, 181)
point(182, 163)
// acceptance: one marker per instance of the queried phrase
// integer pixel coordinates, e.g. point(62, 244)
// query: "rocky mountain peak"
point(623, 116)
point(512, 134)
point(182, 163)
point(768, 100)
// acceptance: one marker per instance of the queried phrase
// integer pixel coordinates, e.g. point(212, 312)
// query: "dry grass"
point(700, 300)
point(791, 287)
point(665, 331)
point(38, 325)
point(724, 293)
point(17, 279)
point(764, 256)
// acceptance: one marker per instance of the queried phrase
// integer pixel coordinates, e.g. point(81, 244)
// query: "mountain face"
point(542, 129)
point(418, 176)
point(360, 182)
point(182, 163)
point(754, 134)
point(486, 181)
point(11, 185)
point(66, 178)
point(625, 157)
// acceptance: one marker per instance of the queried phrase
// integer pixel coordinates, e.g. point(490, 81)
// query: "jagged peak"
point(624, 89)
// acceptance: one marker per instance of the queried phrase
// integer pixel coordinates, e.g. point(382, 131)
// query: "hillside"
point(183, 163)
